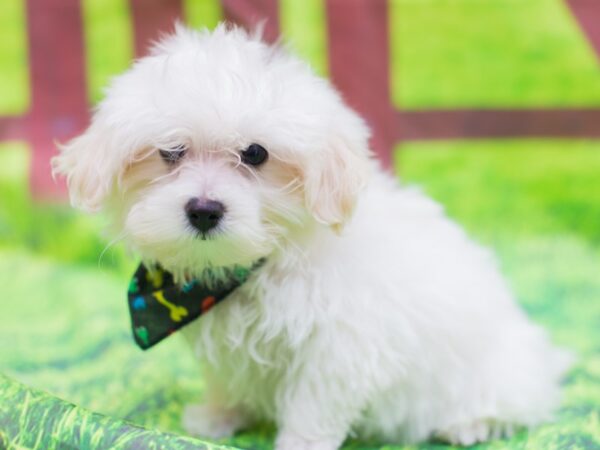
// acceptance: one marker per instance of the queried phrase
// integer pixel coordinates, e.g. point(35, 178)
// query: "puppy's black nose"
point(204, 214)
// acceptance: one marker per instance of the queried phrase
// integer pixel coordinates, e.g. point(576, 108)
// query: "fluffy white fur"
point(374, 314)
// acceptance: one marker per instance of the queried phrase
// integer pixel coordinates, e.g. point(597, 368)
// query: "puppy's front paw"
point(211, 422)
point(288, 441)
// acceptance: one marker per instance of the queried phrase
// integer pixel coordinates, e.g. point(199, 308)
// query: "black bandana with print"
point(159, 307)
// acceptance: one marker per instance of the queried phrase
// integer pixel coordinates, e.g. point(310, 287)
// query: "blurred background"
point(492, 106)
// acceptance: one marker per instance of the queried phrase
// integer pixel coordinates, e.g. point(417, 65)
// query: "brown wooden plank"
point(150, 19)
point(249, 13)
point(474, 124)
point(13, 127)
point(59, 107)
point(359, 65)
point(587, 14)
point(358, 46)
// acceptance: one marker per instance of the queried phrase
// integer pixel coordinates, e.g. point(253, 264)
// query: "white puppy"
point(374, 314)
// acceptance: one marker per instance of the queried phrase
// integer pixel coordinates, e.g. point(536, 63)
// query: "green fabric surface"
point(33, 419)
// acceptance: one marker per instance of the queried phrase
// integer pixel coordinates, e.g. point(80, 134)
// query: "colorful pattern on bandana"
point(158, 307)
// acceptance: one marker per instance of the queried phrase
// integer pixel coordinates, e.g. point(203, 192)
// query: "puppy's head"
point(215, 149)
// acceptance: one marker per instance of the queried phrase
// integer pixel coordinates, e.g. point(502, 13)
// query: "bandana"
point(159, 307)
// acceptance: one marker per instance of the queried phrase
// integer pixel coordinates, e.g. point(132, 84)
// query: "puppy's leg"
point(212, 421)
point(311, 423)
point(293, 441)
point(317, 416)
point(214, 418)
point(322, 397)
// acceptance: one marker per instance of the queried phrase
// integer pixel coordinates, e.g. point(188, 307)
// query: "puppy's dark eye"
point(254, 155)
point(173, 155)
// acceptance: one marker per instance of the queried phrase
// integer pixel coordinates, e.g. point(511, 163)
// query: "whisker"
point(116, 240)
point(291, 187)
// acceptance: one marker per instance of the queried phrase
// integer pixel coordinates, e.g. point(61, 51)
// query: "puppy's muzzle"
point(203, 214)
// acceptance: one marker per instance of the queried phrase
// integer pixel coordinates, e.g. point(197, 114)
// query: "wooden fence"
point(358, 49)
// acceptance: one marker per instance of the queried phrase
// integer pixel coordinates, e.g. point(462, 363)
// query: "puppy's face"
point(216, 150)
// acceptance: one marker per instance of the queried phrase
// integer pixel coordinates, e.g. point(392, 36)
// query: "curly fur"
point(374, 314)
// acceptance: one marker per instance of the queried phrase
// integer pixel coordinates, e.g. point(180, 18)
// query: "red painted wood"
point(358, 47)
point(249, 13)
point(13, 128)
point(150, 19)
point(58, 90)
point(460, 124)
point(359, 65)
point(587, 13)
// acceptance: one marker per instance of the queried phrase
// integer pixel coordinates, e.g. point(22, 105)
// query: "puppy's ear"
point(335, 176)
point(85, 163)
